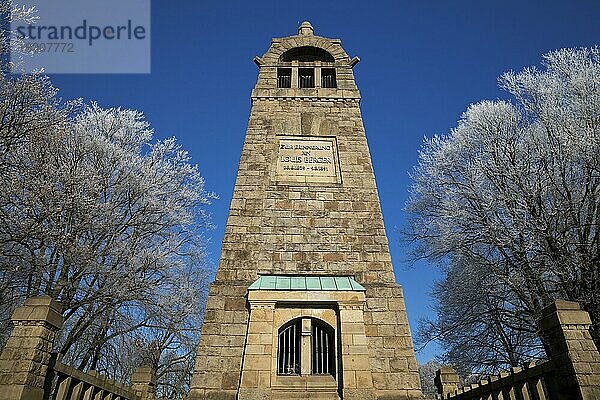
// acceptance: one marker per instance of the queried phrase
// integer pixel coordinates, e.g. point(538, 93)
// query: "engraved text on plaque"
point(307, 160)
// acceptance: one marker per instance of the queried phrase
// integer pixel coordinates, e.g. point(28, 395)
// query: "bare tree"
point(97, 214)
point(10, 41)
point(481, 324)
point(427, 374)
point(514, 189)
point(28, 109)
point(109, 229)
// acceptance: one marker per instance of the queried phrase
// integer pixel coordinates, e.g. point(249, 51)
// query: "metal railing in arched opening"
point(288, 348)
point(322, 348)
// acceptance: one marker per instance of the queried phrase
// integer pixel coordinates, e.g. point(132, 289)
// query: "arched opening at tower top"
point(306, 54)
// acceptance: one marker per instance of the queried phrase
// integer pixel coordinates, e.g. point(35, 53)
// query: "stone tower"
point(305, 303)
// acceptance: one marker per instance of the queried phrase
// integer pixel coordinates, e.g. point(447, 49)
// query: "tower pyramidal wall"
point(304, 246)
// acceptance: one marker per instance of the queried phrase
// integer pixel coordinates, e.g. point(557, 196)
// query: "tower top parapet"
point(306, 65)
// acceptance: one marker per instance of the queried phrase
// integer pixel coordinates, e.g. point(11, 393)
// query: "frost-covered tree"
point(107, 224)
point(514, 191)
point(482, 325)
point(427, 375)
point(10, 41)
point(107, 220)
point(28, 108)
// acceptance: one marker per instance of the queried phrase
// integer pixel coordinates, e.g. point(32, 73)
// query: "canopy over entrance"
point(298, 282)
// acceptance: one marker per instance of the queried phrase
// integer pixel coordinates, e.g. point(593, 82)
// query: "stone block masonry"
point(25, 358)
point(305, 203)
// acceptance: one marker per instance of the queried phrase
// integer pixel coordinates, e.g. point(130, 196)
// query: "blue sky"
point(422, 63)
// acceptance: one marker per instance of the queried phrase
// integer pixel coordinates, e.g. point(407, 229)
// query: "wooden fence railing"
point(571, 373)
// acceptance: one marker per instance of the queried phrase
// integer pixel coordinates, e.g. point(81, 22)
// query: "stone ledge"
point(302, 383)
point(39, 309)
point(564, 313)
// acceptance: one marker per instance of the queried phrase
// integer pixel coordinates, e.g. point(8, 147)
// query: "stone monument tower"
point(305, 303)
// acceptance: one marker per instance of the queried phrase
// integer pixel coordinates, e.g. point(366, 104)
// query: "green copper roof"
point(295, 282)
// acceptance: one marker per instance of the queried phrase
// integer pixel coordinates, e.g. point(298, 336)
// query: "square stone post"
point(25, 358)
point(357, 378)
point(256, 366)
point(318, 74)
point(446, 381)
point(295, 83)
point(143, 382)
point(306, 355)
point(571, 349)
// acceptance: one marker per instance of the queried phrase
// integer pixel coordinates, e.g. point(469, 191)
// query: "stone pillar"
point(295, 83)
point(219, 357)
point(317, 74)
point(306, 355)
point(357, 377)
point(571, 349)
point(143, 382)
point(25, 358)
point(446, 381)
point(256, 365)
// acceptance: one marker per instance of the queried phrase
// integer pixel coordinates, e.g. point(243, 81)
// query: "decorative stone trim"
point(262, 304)
point(351, 305)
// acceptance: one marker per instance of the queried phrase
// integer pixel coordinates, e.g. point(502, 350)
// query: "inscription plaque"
point(307, 160)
